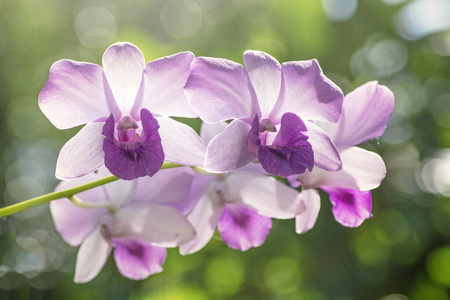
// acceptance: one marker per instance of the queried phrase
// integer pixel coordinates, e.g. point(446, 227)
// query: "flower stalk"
point(69, 193)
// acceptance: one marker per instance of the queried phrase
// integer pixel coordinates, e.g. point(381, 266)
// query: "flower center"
point(126, 130)
point(266, 126)
point(220, 191)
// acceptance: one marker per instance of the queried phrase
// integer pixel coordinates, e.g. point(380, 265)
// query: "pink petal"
point(162, 87)
point(350, 207)
point(228, 150)
point(361, 170)
point(242, 228)
point(265, 74)
point(365, 114)
point(220, 90)
point(264, 194)
point(92, 256)
point(306, 220)
point(76, 93)
point(204, 217)
point(181, 144)
point(137, 260)
point(209, 131)
point(121, 191)
point(326, 156)
point(123, 64)
point(156, 224)
point(197, 188)
point(74, 223)
point(166, 186)
point(306, 92)
point(82, 154)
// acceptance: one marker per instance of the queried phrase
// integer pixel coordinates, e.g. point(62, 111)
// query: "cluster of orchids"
point(259, 121)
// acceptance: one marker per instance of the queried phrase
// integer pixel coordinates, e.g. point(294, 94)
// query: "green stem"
point(9, 210)
point(78, 202)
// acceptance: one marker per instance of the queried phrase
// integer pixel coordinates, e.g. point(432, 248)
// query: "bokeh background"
point(403, 252)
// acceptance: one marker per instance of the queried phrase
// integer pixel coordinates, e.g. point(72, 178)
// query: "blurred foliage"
point(401, 253)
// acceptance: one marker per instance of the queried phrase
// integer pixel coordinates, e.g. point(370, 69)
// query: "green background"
point(403, 252)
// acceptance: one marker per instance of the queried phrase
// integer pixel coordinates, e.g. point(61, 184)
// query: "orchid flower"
point(365, 114)
point(271, 107)
point(126, 106)
point(240, 203)
point(134, 218)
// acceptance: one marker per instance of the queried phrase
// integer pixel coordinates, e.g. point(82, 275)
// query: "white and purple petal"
point(350, 207)
point(263, 194)
point(306, 220)
point(161, 89)
point(265, 74)
point(158, 225)
point(74, 223)
point(306, 92)
point(361, 170)
point(92, 256)
point(82, 154)
point(242, 228)
point(220, 90)
point(133, 159)
point(208, 131)
point(166, 186)
point(326, 155)
point(76, 93)
point(181, 144)
point(228, 150)
point(365, 114)
point(138, 260)
point(123, 64)
point(204, 217)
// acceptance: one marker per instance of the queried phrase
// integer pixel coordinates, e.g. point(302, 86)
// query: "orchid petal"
point(137, 260)
point(198, 185)
point(130, 160)
point(209, 131)
point(204, 217)
point(264, 194)
point(365, 114)
point(361, 170)
point(166, 186)
point(76, 93)
point(121, 191)
point(242, 228)
point(228, 150)
point(159, 225)
point(181, 143)
point(82, 154)
point(92, 256)
point(265, 74)
point(161, 89)
point(350, 207)
point(123, 64)
point(306, 220)
point(219, 90)
point(326, 155)
point(74, 223)
point(290, 152)
point(306, 92)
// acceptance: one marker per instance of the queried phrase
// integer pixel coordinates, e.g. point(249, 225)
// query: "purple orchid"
point(139, 223)
point(126, 106)
point(271, 106)
point(240, 203)
point(365, 114)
